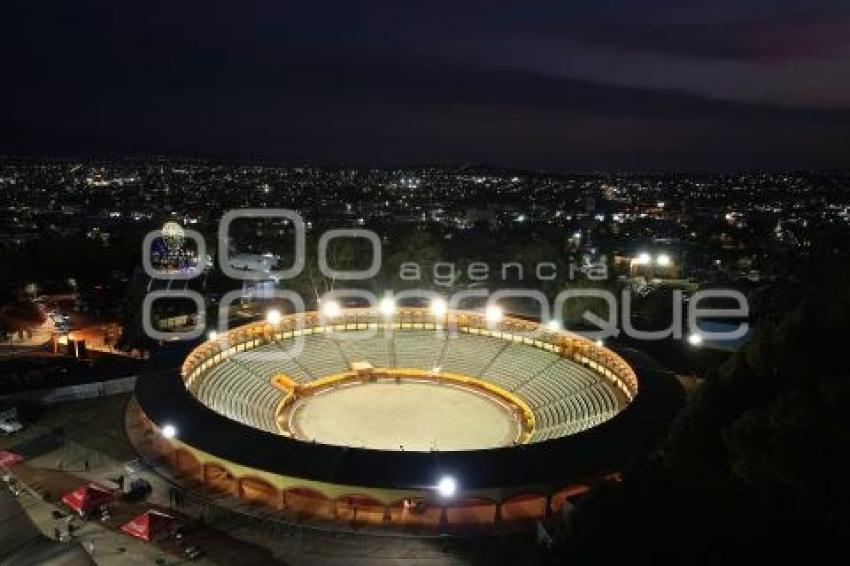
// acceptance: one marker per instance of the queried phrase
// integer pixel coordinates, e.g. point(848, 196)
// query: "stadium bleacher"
point(418, 348)
point(239, 393)
point(517, 364)
point(564, 396)
point(372, 347)
point(469, 354)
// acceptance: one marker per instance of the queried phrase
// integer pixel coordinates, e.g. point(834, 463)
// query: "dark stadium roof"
point(603, 448)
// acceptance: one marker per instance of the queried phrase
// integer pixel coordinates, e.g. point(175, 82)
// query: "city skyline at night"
point(430, 283)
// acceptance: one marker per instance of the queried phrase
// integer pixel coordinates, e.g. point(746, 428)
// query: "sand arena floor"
point(418, 416)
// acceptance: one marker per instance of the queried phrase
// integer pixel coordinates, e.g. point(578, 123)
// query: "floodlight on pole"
point(493, 313)
point(387, 306)
point(331, 309)
point(273, 317)
point(169, 431)
point(438, 306)
point(447, 487)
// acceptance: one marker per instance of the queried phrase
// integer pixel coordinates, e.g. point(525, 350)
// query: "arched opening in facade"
point(361, 509)
point(566, 494)
point(257, 490)
point(218, 478)
point(187, 464)
point(308, 503)
point(471, 511)
point(523, 507)
point(415, 513)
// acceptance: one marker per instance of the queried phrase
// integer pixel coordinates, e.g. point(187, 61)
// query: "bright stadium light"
point(643, 259)
point(438, 306)
point(447, 487)
point(331, 309)
point(387, 306)
point(663, 260)
point(212, 336)
point(168, 431)
point(695, 339)
point(493, 313)
point(273, 317)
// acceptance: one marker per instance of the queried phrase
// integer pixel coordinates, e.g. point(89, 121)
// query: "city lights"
point(406, 282)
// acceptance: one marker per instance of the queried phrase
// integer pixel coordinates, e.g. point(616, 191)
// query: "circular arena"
point(417, 417)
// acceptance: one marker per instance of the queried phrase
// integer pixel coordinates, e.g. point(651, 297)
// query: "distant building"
point(649, 265)
point(260, 263)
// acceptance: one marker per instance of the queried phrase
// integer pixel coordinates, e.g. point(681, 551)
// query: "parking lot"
point(74, 443)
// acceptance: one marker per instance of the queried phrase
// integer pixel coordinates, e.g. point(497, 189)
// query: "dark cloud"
point(743, 40)
point(389, 82)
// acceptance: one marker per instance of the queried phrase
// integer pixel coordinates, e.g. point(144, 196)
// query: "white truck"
point(9, 423)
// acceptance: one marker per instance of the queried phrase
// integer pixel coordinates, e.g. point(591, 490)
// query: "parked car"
point(193, 552)
point(10, 426)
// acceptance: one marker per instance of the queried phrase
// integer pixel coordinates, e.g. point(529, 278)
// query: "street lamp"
point(447, 487)
point(169, 431)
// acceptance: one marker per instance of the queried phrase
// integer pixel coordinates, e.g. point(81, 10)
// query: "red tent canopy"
point(150, 525)
point(87, 498)
point(9, 458)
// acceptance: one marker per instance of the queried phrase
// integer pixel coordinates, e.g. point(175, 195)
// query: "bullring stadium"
point(409, 417)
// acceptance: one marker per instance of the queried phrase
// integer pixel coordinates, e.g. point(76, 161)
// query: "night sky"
point(567, 85)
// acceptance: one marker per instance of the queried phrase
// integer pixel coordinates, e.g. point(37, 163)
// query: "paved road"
point(233, 531)
point(22, 543)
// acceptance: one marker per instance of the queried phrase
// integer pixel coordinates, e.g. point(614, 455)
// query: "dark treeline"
point(752, 470)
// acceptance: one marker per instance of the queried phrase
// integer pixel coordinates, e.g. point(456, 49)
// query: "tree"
point(753, 466)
